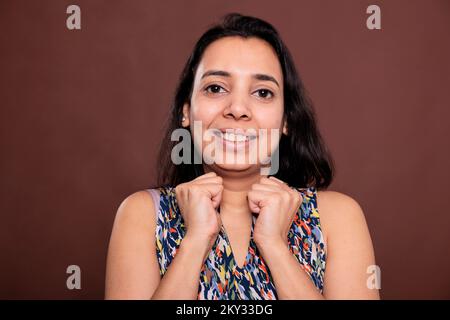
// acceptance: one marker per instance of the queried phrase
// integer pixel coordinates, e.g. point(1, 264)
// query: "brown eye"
point(264, 93)
point(214, 88)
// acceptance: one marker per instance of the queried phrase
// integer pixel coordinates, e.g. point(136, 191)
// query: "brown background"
point(82, 114)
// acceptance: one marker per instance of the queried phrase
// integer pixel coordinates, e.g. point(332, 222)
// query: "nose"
point(238, 108)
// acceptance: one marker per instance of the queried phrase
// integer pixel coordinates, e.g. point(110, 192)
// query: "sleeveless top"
point(220, 277)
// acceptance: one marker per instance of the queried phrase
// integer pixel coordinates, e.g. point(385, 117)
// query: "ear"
point(186, 113)
point(285, 129)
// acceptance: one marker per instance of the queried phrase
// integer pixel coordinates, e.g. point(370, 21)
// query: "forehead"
point(241, 57)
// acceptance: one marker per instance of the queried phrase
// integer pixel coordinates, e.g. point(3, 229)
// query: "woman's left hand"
point(276, 205)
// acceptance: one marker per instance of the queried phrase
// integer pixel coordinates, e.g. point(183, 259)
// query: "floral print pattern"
point(220, 277)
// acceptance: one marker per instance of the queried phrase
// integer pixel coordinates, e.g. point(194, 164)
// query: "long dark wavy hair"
point(304, 160)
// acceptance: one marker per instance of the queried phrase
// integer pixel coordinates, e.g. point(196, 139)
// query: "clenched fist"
point(276, 204)
point(198, 201)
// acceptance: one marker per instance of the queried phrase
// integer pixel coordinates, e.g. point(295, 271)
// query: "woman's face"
point(238, 100)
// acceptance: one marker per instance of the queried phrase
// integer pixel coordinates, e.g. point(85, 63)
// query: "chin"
point(230, 168)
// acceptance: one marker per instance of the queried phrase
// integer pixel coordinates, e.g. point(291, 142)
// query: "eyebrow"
point(257, 76)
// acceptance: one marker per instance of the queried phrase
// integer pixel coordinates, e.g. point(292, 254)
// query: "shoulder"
point(137, 209)
point(338, 202)
point(339, 212)
point(132, 270)
point(348, 238)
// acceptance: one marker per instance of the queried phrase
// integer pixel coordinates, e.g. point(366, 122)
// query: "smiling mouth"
point(233, 137)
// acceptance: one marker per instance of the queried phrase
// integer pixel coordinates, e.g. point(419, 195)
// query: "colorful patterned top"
point(220, 276)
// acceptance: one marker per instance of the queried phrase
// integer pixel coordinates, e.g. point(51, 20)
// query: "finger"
point(254, 207)
point(206, 175)
point(266, 187)
point(210, 180)
point(281, 183)
point(276, 179)
point(217, 198)
point(208, 189)
point(269, 181)
point(214, 191)
point(256, 199)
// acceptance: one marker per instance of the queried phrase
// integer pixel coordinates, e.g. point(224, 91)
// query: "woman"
point(228, 229)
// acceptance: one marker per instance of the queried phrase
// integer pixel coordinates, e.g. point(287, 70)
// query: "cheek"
point(205, 110)
point(203, 113)
point(269, 118)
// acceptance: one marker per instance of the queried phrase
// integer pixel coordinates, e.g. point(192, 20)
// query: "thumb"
point(254, 199)
point(216, 196)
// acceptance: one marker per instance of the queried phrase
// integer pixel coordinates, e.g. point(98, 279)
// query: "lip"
point(241, 132)
point(235, 144)
point(233, 140)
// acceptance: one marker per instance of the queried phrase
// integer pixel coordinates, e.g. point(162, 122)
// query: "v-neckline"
point(249, 247)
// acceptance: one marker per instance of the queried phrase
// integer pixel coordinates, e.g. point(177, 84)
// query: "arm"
point(181, 280)
point(349, 253)
point(350, 249)
point(197, 200)
point(132, 270)
point(132, 266)
point(291, 281)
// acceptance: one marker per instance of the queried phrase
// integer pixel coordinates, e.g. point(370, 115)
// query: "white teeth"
point(234, 137)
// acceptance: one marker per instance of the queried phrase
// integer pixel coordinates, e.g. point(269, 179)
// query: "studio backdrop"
point(85, 91)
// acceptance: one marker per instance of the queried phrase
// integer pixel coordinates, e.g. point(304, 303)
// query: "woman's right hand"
point(198, 200)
